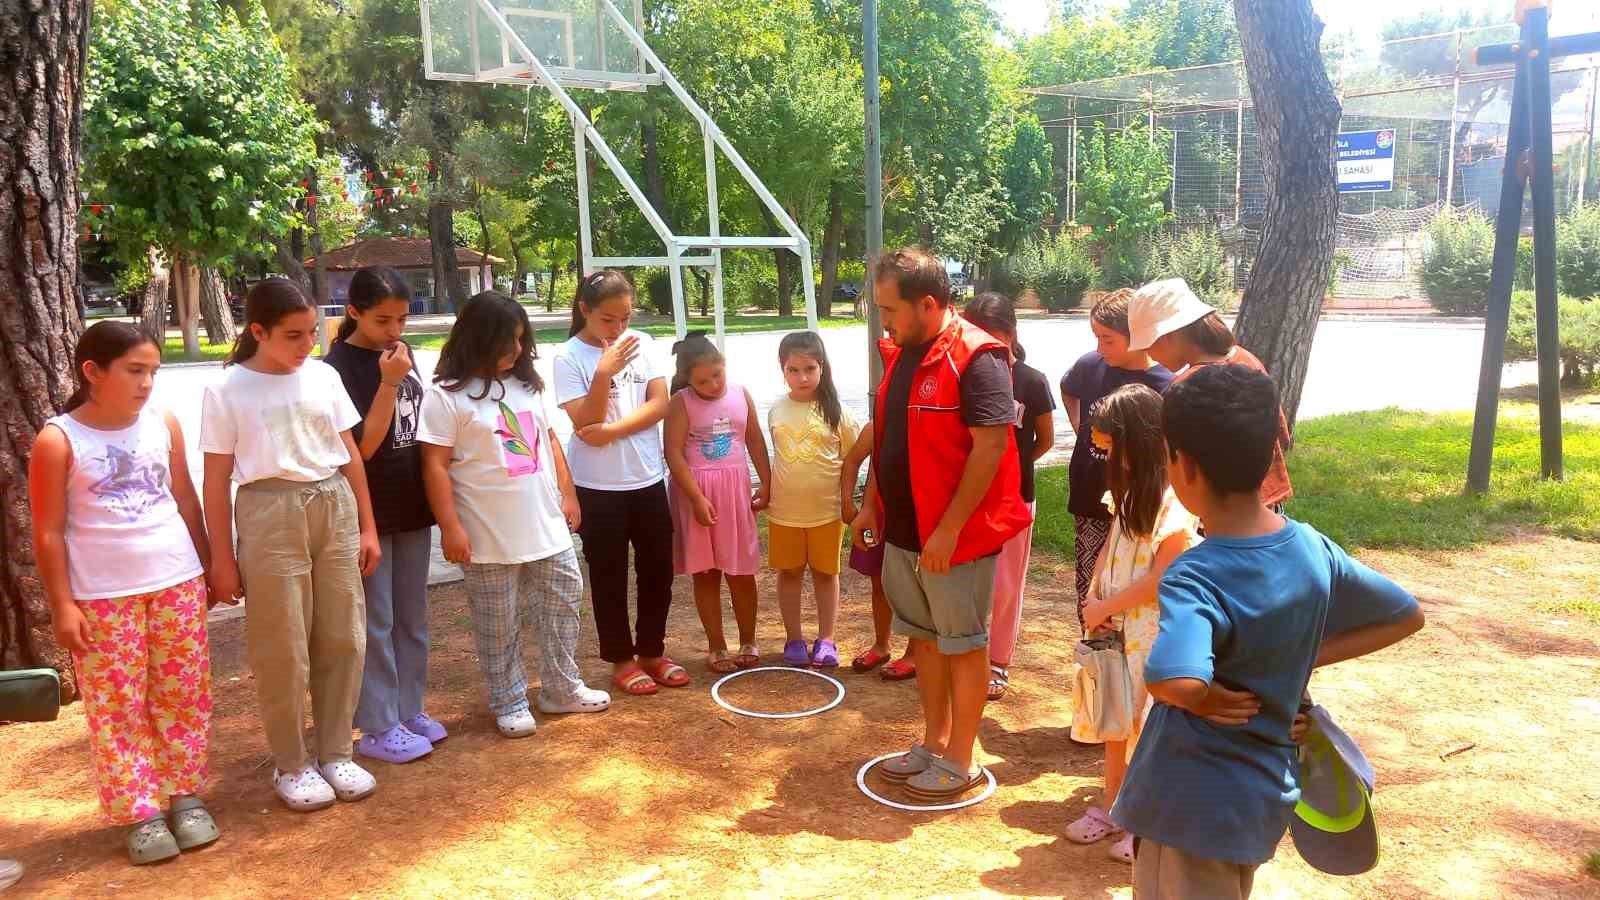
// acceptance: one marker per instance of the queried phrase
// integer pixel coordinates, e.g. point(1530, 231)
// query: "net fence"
point(1449, 117)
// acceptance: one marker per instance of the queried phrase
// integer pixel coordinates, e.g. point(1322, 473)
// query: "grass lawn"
point(739, 324)
point(1393, 479)
point(172, 351)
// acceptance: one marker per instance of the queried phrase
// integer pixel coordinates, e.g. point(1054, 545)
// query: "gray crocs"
point(191, 824)
point(943, 781)
point(907, 764)
point(151, 842)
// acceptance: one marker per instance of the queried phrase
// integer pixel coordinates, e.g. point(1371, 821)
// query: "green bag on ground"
point(30, 695)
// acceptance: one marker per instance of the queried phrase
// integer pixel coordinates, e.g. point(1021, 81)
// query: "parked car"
point(847, 290)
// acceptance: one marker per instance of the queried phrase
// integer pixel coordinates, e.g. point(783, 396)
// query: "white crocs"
point(584, 700)
point(516, 725)
point(349, 780)
point(303, 791)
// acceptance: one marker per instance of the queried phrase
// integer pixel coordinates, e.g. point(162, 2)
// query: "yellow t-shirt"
point(808, 458)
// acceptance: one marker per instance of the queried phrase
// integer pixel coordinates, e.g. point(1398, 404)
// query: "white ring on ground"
point(861, 782)
point(716, 693)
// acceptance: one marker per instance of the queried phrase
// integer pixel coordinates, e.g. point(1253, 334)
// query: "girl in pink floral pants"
point(122, 551)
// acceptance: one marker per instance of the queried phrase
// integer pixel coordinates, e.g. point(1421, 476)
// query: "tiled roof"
point(395, 252)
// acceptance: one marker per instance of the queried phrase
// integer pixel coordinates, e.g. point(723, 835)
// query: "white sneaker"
point(516, 725)
point(303, 791)
point(350, 781)
point(584, 700)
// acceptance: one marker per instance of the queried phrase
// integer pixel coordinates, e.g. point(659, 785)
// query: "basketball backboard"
point(576, 40)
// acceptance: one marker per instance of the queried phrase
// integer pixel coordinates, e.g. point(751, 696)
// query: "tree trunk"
point(446, 270)
point(703, 278)
point(214, 311)
point(157, 292)
point(1297, 114)
point(655, 186)
point(780, 258)
point(550, 295)
point(519, 282)
point(483, 230)
point(832, 237)
point(186, 297)
point(42, 54)
point(289, 261)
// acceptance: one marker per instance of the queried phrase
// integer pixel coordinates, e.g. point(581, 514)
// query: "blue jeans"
point(397, 633)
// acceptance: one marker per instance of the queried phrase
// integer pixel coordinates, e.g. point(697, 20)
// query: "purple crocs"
point(794, 654)
point(824, 655)
point(426, 726)
point(397, 745)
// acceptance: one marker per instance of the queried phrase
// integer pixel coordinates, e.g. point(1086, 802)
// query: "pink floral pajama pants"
point(146, 687)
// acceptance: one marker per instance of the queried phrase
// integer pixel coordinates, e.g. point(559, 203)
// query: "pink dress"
point(717, 457)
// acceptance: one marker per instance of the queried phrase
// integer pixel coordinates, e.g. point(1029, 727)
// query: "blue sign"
point(1365, 161)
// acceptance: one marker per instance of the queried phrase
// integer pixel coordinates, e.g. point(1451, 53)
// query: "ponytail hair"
point(809, 343)
point(595, 289)
point(693, 350)
point(103, 343)
point(995, 314)
point(369, 287)
point(266, 305)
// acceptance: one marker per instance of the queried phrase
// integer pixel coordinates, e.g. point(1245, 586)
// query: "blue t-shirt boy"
point(1247, 614)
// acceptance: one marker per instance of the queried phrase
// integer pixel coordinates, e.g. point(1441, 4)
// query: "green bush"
point(1196, 256)
point(1059, 270)
point(657, 290)
point(1578, 251)
point(1341, 260)
point(1579, 324)
point(1457, 262)
point(1524, 278)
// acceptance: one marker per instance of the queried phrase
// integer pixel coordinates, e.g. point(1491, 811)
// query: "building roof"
point(395, 252)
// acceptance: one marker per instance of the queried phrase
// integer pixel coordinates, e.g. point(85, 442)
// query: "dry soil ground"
point(670, 795)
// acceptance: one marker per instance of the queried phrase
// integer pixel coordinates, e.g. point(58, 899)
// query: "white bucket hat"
point(1162, 307)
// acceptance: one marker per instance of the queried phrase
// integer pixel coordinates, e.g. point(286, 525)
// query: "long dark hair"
point(483, 329)
point(995, 314)
point(103, 344)
point(1136, 468)
point(809, 343)
point(595, 289)
point(693, 350)
point(266, 305)
point(369, 287)
point(1209, 334)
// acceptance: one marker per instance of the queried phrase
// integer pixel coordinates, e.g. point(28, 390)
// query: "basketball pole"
point(874, 187)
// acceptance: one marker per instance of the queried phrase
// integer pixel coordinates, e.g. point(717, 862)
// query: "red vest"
point(939, 443)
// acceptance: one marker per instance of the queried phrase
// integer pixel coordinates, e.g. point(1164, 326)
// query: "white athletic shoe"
point(584, 700)
point(517, 724)
point(349, 780)
point(303, 791)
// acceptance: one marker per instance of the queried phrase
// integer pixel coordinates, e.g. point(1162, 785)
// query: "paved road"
point(1356, 365)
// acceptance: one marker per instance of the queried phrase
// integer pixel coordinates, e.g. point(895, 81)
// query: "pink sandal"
point(1092, 827)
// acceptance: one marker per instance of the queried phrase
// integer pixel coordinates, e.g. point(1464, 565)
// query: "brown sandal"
point(720, 663)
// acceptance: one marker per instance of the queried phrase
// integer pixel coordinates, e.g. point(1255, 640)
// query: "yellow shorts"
point(794, 548)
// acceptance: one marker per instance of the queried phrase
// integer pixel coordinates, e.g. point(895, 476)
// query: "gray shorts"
point(951, 609)
point(1167, 873)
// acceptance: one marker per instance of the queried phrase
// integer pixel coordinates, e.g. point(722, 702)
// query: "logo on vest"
point(927, 389)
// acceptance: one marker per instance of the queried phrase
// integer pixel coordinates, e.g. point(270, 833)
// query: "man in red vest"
point(946, 474)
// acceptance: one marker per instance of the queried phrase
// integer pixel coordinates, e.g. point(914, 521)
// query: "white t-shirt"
point(501, 468)
point(623, 465)
point(279, 426)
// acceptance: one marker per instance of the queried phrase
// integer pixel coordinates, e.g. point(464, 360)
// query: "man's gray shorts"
point(951, 609)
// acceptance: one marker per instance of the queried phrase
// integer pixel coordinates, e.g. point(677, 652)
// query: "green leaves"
point(192, 127)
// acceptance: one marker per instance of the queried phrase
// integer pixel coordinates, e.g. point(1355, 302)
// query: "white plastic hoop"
point(716, 693)
point(861, 782)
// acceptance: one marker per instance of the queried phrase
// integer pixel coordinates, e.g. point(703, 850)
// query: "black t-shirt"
point(1090, 380)
point(986, 399)
point(1033, 399)
point(394, 473)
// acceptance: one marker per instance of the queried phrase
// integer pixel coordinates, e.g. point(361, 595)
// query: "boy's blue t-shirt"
point(1249, 613)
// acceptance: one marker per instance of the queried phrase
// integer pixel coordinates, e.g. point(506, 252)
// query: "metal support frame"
point(874, 186)
point(585, 137)
point(1529, 158)
point(1455, 109)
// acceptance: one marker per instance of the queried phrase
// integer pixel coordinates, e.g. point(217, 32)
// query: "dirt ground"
point(670, 795)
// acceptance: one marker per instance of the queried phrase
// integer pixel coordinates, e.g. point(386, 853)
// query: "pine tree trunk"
point(1297, 114)
point(290, 262)
point(832, 237)
point(42, 54)
point(214, 311)
point(157, 295)
point(780, 258)
point(550, 295)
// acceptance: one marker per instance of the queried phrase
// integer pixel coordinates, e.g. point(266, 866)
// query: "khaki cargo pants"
point(305, 613)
